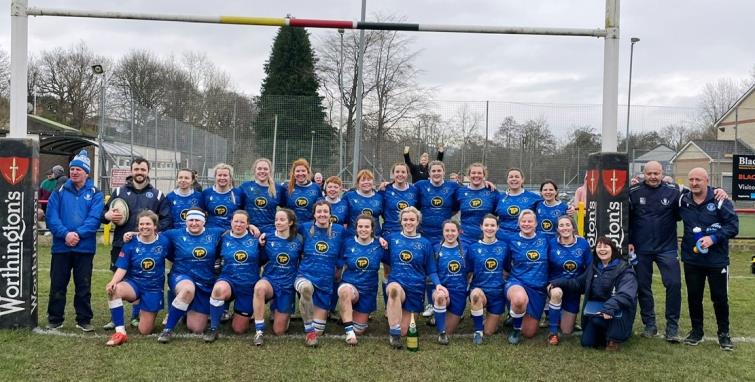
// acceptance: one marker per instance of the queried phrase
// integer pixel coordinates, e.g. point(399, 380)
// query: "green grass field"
point(71, 355)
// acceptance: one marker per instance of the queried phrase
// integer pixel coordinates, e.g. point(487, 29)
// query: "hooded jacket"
point(72, 210)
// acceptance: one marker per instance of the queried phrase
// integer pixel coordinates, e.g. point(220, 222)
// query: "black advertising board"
point(743, 177)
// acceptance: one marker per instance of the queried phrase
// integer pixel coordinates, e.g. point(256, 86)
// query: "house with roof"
point(713, 155)
point(661, 154)
point(739, 121)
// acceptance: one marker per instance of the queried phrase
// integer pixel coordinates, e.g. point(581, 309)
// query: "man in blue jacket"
point(73, 217)
point(708, 226)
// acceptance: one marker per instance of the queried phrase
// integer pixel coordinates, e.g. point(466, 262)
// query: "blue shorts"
point(149, 300)
point(457, 302)
point(283, 299)
point(320, 298)
point(496, 300)
point(242, 298)
point(536, 299)
point(570, 303)
point(367, 302)
point(202, 293)
point(415, 298)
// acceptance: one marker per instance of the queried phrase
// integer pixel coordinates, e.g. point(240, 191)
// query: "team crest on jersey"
point(491, 264)
point(148, 264)
point(302, 202)
point(240, 256)
point(436, 202)
point(321, 247)
point(665, 202)
point(533, 255)
point(333, 219)
point(199, 252)
point(282, 258)
point(405, 256)
point(87, 197)
point(711, 207)
point(367, 211)
point(220, 210)
point(183, 214)
point(149, 194)
point(475, 203)
point(547, 225)
point(570, 266)
point(362, 263)
point(260, 202)
point(643, 201)
point(454, 266)
point(401, 205)
point(513, 210)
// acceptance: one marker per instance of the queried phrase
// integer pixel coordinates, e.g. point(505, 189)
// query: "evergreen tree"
point(290, 92)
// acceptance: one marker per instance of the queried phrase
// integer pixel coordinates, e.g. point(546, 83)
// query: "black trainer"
point(694, 337)
point(725, 342)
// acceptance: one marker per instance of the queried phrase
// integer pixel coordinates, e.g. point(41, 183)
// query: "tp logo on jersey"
point(570, 266)
point(533, 255)
point(454, 266)
point(401, 205)
point(282, 258)
point(362, 262)
point(321, 247)
point(513, 210)
point(260, 202)
point(199, 253)
point(491, 264)
point(405, 256)
point(220, 210)
point(183, 214)
point(240, 256)
point(475, 203)
point(333, 219)
point(367, 211)
point(436, 202)
point(547, 225)
point(302, 202)
point(148, 264)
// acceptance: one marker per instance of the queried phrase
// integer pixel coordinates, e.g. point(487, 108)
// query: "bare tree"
point(675, 135)
point(138, 80)
point(716, 99)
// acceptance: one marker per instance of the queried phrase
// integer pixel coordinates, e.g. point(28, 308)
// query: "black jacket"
point(148, 198)
point(653, 213)
point(418, 171)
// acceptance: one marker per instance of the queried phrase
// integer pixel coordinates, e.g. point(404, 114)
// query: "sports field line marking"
point(250, 337)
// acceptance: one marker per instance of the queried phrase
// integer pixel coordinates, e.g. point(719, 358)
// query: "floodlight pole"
point(19, 48)
point(610, 78)
point(360, 89)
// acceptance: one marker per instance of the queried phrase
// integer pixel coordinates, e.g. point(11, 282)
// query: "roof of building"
point(660, 153)
point(717, 150)
point(735, 106)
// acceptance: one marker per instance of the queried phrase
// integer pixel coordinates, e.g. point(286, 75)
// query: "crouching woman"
point(610, 288)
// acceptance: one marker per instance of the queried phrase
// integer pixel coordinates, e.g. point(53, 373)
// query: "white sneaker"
point(428, 310)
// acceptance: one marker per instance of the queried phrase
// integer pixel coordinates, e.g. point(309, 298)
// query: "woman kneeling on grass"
point(486, 262)
point(357, 294)
point(139, 278)
point(240, 255)
point(610, 288)
point(411, 261)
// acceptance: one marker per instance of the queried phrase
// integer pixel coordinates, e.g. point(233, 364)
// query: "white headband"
point(196, 215)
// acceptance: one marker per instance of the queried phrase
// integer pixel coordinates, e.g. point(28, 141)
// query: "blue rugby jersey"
point(453, 265)
point(528, 261)
point(411, 260)
point(509, 207)
point(194, 255)
point(362, 262)
point(487, 264)
point(260, 205)
point(221, 206)
point(474, 205)
point(241, 259)
point(320, 254)
point(283, 257)
point(568, 261)
point(302, 200)
point(180, 205)
point(547, 216)
point(395, 200)
point(437, 204)
point(359, 204)
point(145, 262)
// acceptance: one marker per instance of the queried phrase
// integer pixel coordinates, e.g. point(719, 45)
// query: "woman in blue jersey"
point(302, 192)
point(510, 203)
point(139, 277)
point(360, 264)
point(222, 199)
point(436, 201)
point(528, 277)
point(262, 196)
point(282, 249)
point(183, 197)
point(486, 262)
point(451, 257)
point(193, 273)
point(409, 262)
point(240, 258)
point(475, 201)
point(549, 209)
point(339, 207)
point(314, 282)
point(364, 200)
point(569, 256)
point(610, 289)
point(396, 196)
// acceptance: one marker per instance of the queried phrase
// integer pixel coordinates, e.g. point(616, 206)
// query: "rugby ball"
point(118, 204)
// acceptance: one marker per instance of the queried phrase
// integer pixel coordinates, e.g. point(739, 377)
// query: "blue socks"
point(216, 312)
point(395, 330)
point(175, 312)
point(516, 319)
point(477, 320)
point(554, 317)
point(135, 309)
point(259, 326)
point(440, 317)
point(116, 312)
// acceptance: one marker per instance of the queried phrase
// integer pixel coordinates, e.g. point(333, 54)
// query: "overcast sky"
point(684, 43)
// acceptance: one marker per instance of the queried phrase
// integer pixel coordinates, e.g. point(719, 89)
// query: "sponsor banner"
point(743, 177)
point(607, 204)
point(19, 166)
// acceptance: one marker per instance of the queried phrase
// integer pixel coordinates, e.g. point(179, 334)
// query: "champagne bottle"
point(412, 338)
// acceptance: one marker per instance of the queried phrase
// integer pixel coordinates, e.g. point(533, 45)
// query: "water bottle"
point(698, 232)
